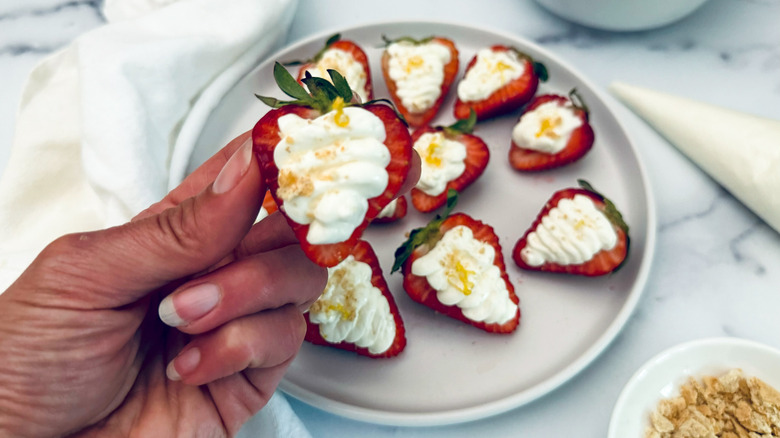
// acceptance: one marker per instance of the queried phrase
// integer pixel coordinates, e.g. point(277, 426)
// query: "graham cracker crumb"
point(729, 406)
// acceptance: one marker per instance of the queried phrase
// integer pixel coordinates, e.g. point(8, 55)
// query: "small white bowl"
point(662, 376)
point(622, 15)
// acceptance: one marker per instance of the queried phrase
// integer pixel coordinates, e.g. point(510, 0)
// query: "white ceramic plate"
point(662, 376)
point(451, 372)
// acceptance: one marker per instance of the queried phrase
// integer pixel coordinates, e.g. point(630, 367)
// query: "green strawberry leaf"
point(578, 101)
point(406, 39)
point(318, 55)
point(342, 87)
point(610, 210)
point(288, 84)
point(541, 71)
point(463, 126)
point(427, 234)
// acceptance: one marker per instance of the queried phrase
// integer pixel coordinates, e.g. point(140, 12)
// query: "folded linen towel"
point(740, 151)
point(98, 125)
point(98, 121)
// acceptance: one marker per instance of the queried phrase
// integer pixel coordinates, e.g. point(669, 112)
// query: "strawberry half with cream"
point(331, 165)
point(419, 74)
point(553, 131)
point(454, 265)
point(452, 158)
point(347, 58)
point(356, 311)
point(394, 211)
point(578, 231)
point(498, 80)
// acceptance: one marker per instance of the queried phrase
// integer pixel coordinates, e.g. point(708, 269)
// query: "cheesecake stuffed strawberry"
point(331, 165)
point(454, 265)
point(578, 231)
point(452, 158)
point(356, 311)
point(553, 131)
point(419, 74)
point(347, 58)
point(498, 79)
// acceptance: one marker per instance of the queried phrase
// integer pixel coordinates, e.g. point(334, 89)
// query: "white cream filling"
point(491, 71)
point(547, 128)
point(570, 234)
point(443, 160)
point(351, 309)
point(346, 64)
point(418, 73)
point(327, 172)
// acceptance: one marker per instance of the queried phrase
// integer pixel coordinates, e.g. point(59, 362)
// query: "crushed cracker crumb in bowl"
point(716, 387)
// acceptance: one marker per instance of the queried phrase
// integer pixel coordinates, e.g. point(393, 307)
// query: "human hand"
point(84, 351)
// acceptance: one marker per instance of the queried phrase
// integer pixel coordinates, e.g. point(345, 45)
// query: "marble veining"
point(716, 263)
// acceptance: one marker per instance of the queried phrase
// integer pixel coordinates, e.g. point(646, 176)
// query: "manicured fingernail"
point(234, 169)
point(188, 305)
point(184, 363)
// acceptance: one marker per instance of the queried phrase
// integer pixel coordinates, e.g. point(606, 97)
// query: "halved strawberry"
point(509, 96)
point(357, 312)
point(578, 231)
point(454, 265)
point(347, 58)
point(339, 173)
point(437, 159)
point(416, 81)
point(394, 211)
point(548, 123)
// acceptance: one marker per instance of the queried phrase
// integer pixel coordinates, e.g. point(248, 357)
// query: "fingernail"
point(188, 305)
point(184, 363)
point(234, 169)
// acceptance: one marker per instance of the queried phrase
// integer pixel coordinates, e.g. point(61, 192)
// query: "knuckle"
point(180, 226)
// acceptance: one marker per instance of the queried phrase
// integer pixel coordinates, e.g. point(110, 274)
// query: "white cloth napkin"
point(740, 151)
point(99, 122)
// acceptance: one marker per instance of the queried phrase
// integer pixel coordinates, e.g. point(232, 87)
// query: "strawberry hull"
point(420, 290)
point(477, 157)
point(602, 263)
point(364, 252)
point(265, 136)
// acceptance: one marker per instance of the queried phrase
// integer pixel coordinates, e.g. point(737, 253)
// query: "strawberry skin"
point(420, 290)
point(450, 73)
point(477, 157)
point(265, 136)
point(363, 252)
point(580, 142)
point(398, 213)
point(357, 53)
point(507, 98)
point(603, 262)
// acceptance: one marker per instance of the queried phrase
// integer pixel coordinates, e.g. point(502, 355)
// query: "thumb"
point(145, 254)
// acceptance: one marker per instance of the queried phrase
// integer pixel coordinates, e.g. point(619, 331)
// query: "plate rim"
point(238, 71)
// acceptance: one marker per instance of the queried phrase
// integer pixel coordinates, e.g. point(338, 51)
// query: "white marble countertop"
point(712, 274)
